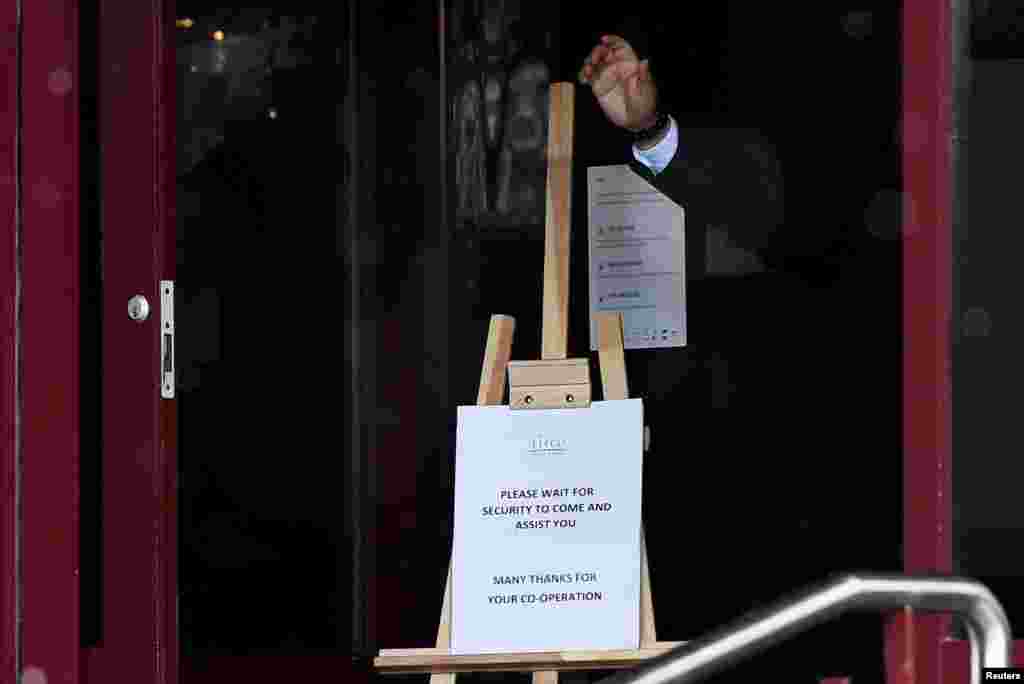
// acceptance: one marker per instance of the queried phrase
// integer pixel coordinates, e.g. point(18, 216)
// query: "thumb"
point(645, 70)
point(642, 74)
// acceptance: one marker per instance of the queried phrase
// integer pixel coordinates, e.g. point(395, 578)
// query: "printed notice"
point(637, 258)
point(547, 528)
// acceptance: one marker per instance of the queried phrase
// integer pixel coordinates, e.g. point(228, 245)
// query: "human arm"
point(628, 96)
point(724, 177)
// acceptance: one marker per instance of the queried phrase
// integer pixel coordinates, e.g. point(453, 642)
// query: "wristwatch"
point(645, 134)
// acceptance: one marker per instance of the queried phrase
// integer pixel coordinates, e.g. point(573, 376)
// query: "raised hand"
point(622, 84)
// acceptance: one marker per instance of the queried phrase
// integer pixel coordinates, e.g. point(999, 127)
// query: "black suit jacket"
point(724, 177)
point(730, 178)
point(707, 461)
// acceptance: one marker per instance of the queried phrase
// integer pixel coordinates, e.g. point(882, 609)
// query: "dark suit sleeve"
point(725, 177)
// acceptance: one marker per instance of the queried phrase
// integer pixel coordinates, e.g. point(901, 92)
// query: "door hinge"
point(167, 339)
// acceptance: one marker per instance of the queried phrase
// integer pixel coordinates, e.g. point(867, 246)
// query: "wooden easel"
point(552, 382)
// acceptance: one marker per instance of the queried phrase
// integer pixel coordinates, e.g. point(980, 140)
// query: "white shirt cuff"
point(659, 156)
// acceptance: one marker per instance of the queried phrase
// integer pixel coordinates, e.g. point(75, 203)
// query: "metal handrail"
point(987, 627)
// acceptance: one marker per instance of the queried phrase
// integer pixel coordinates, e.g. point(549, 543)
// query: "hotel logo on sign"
point(541, 445)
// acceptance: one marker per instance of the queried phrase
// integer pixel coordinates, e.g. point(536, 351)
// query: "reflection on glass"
point(988, 523)
point(264, 554)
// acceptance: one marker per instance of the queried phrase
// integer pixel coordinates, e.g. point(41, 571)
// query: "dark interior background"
point(987, 520)
point(776, 454)
point(316, 496)
point(775, 458)
point(265, 550)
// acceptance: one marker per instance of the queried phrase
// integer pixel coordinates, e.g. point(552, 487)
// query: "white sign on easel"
point(547, 528)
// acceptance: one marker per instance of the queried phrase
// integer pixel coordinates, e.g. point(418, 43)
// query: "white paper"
point(637, 258)
point(508, 464)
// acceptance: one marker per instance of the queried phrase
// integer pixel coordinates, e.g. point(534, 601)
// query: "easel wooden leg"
point(492, 392)
point(612, 359)
point(496, 358)
point(557, 222)
point(611, 356)
point(444, 629)
point(648, 633)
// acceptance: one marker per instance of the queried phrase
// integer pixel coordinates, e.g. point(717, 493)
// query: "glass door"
point(242, 161)
point(226, 508)
point(355, 191)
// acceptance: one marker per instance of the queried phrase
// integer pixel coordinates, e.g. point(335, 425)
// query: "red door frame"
point(136, 119)
point(918, 647)
point(913, 641)
point(139, 641)
point(138, 112)
point(8, 339)
point(39, 371)
point(47, 356)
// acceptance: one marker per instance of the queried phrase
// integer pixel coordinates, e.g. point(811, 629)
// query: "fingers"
point(615, 75)
point(635, 83)
point(594, 59)
point(613, 40)
point(621, 70)
point(613, 47)
point(609, 50)
point(634, 77)
point(598, 55)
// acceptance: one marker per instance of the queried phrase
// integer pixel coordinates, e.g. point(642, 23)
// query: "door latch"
point(167, 339)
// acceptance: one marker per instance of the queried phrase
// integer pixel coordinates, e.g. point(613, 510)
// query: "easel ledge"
point(440, 661)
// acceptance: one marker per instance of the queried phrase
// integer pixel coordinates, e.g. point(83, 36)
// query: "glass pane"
point(265, 556)
point(988, 524)
point(776, 454)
